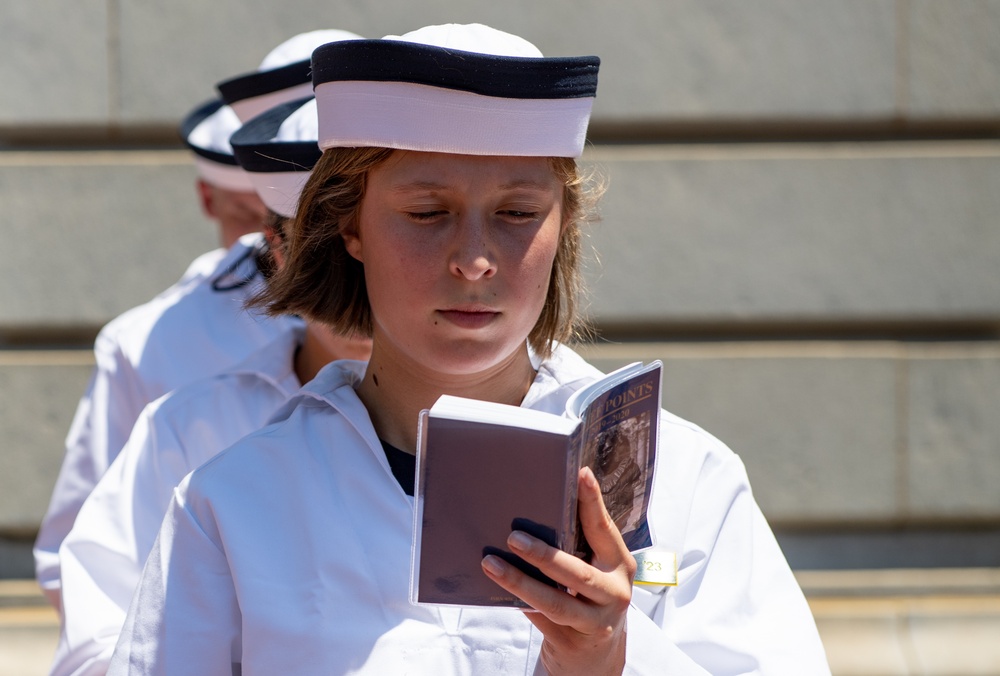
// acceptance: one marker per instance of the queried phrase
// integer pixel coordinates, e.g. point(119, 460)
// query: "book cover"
point(484, 469)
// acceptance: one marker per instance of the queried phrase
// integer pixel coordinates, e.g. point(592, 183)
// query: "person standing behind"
point(193, 329)
point(102, 557)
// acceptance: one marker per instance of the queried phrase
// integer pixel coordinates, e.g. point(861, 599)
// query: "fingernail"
point(519, 540)
point(494, 565)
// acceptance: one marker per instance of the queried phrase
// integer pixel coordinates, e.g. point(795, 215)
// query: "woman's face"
point(457, 251)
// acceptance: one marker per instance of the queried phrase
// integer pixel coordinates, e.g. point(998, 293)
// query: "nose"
point(472, 255)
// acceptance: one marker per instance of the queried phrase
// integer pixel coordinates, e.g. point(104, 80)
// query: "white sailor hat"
point(465, 89)
point(278, 149)
point(283, 75)
point(206, 131)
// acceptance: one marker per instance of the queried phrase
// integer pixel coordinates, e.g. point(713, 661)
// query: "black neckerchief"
point(242, 271)
point(403, 466)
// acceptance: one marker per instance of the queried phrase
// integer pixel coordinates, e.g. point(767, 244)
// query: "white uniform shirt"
point(190, 331)
point(103, 555)
point(290, 551)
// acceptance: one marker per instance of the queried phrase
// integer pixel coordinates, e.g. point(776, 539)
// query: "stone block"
point(893, 232)
point(953, 49)
point(716, 235)
point(954, 435)
point(724, 61)
point(55, 68)
point(923, 633)
point(28, 640)
point(956, 637)
point(38, 395)
point(89, 235)
point(862, 639)
point(815, 427)
point(677, 60)
point(662, 61)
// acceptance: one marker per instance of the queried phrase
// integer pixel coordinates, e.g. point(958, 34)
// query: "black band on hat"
point(195, 118)
point(259, 83)
point(270, 158)
point(257, 150)
point(483, 74)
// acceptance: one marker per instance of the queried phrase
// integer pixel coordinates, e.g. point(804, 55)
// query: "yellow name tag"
point(656, 568)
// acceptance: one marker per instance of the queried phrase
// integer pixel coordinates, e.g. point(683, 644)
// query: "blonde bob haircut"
point(321, 281)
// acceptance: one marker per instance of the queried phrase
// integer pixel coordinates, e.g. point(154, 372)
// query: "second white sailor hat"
point(283, 75)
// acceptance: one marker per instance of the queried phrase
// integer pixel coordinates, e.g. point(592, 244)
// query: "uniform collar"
point(562, 372)
point(275, 362)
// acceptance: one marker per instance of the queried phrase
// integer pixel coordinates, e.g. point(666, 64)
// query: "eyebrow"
point(526, 183)
point(516, 184)
point(418, 185)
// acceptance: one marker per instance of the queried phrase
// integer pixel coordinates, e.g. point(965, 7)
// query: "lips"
point(469, 317)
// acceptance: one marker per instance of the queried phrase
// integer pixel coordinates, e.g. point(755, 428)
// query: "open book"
point(484, 469)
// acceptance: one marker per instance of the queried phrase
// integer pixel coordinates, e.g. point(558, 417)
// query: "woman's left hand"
point(584, 630)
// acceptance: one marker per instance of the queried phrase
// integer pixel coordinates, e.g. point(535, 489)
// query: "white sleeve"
point(103, 555)
point(737, 608)
point(103, 420)
point(184, 617)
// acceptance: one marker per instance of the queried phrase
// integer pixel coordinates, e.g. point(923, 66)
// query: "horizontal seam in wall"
point(39, 158)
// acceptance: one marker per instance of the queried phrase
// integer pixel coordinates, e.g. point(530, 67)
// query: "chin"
point(469, 357)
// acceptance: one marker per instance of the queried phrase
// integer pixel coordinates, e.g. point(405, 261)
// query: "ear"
point(271, 236)
point(274, 244)
point(352, 242)
point(206, 198)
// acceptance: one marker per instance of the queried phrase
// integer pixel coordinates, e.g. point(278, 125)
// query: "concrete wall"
point(810, 173)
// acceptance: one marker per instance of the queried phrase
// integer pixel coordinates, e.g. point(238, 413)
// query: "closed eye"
point(516, 215)
point(425, 216)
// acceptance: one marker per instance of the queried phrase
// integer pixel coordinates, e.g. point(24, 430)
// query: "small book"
point(485, 469)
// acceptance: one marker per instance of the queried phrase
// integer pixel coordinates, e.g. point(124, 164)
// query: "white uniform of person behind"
point(290, 551)
point(103, 555)
point(194, 329)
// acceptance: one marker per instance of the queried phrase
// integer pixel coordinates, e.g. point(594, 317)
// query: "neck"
point(395, 393)
point(228, 234)
point(321, 346)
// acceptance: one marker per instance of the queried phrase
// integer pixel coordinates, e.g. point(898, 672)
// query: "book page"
point(619, 445)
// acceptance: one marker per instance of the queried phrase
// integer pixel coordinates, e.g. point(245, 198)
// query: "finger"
point(601, 532)
point(566, 569)
point(558, 607)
